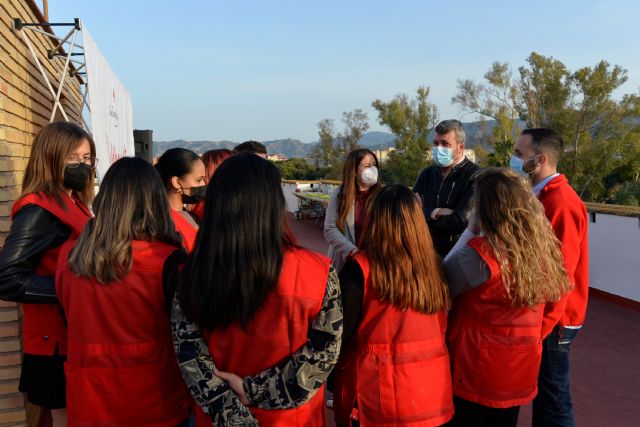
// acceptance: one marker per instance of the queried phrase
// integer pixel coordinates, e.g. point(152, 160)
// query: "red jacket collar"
point(556, 182)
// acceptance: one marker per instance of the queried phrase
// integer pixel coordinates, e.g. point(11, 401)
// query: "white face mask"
point(369, 176)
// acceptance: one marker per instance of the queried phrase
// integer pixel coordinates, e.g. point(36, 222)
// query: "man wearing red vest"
point(537, 154)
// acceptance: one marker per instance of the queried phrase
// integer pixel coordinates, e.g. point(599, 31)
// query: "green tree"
point(299, 169)
point(546, 91)
point(595, 113)
point(482, 156)
point(325, 151)
point(410, 120)
point(581, 107)
point(356, 124)
point(332, 150)
point(627, 194)
point(497, 98)
point(610, 154)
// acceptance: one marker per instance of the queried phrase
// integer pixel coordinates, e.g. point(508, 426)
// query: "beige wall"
point(25, 106)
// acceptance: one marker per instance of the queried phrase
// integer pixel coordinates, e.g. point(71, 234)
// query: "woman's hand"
point(235, 382)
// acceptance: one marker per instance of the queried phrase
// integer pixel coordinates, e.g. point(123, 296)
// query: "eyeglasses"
point(74, 162)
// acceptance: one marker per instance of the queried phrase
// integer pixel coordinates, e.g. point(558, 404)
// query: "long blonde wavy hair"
point(514, 223)
point(405, 269)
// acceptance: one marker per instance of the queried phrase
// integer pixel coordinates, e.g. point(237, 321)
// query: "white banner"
point(110, 106)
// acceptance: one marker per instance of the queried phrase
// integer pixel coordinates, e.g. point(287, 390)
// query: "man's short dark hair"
point(447, 126)
point(546, 141)
point(251, 147)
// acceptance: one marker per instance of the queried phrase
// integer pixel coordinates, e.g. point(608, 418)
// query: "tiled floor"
point(605, 357)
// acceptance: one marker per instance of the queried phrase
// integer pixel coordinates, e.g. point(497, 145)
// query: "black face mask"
point(76, 178)
point(197, 194)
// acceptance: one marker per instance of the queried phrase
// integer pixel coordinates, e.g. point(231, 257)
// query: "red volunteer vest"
point(279, 328)
point(186, 230)
point(495, 347)
point(568, 217)
point(43, 324)
point(121, 369)
point(398, 371)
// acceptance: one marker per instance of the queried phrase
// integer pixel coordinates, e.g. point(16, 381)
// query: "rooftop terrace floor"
point(605, 357)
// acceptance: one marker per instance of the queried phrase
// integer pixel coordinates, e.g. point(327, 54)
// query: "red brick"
point(9, 330)
point(8, 314)
point(7, 346)
point(6, 304)
point(10, 359)
point(15, 401)
point(10, 373)
point(9, 387)
point(9, 418)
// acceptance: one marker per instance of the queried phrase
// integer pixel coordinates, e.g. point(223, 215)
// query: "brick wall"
point(25, 106)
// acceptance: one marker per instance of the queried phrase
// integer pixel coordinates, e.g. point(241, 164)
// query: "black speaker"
point(143, 142)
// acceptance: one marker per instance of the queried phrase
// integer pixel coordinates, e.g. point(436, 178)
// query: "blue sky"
point(237, 70)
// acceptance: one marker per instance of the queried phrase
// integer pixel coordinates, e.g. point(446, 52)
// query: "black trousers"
point(470, 414)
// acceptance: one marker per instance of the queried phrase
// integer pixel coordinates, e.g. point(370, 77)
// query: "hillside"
point(289, 147)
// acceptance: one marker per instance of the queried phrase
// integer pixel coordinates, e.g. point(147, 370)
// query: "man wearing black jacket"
point(446, 187)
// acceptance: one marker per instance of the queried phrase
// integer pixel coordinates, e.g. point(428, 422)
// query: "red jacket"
point(186, 230)
point(398, 371)
point(121, 369)
point(43, 324)
point(496, 348)
point(279, 328)
point(198, 210)
point(568, 217)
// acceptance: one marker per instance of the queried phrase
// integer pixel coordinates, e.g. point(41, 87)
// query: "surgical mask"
point(197, 194)
point(369, 176)
point(76, 176)
point(443, 156)
point(517, 164)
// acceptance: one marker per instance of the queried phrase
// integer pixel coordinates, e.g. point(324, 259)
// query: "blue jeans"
point(552, 406)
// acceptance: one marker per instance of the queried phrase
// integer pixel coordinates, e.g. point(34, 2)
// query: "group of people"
point(514, 249)
point(179, 295)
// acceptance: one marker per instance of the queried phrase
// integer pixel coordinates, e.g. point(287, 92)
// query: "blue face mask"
point(517, 164)
point(443, 156)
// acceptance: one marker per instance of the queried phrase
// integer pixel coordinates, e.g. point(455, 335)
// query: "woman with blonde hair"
point(394, 365)
point(502, 271)
point(344, 220)
point(57, 190)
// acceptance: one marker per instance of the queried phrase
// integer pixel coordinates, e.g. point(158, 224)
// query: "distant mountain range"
point(476, 134)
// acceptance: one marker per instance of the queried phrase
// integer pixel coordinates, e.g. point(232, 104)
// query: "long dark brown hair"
point(131, 205)
point(514, 223)
point(405, 269)
point(349, 188)
point(50, 150)
point(240, 247)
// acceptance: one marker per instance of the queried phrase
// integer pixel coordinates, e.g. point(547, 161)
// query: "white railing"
point(614, 254)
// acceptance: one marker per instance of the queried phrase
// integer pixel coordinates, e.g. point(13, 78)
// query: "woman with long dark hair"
point(394, 365)
point(183, 175)
point(268, 309)
point(57, 189)
point(502, 271)
point(344, 221)
point(121, 369)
